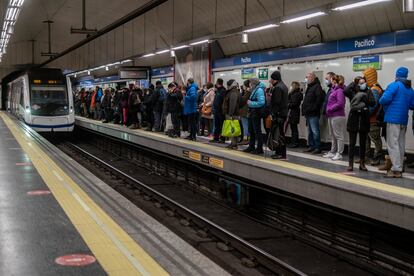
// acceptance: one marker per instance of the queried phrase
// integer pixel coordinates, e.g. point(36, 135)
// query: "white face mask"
point(291, 88)
point(328, 82)
point(306, 80)
point(362, 86)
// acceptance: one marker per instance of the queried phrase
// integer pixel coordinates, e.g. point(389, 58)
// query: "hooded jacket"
point(336, 102)
point(257, 97)
point(208, 101)
point(397, 100)
point(190, 100)
point(231, 101)
point(313, 101)
point(218, 100)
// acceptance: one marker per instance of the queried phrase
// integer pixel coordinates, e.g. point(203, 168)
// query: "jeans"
point(157, 120)
point(362, 144)
point(255, 130)
point(396, 145)
point(218, 125)
point(192, 124)
point(314, 134)
point(125, 116)
point(107, 114)
point(245, 123)
point(295, 134)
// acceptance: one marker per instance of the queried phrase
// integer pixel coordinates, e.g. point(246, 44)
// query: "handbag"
point(206, 110)
point(231, 128)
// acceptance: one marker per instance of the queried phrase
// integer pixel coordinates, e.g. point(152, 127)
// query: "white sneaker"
point(328, 155)
point(337, 157)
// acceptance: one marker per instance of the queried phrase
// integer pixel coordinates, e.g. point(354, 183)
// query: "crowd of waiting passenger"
point(374, 113)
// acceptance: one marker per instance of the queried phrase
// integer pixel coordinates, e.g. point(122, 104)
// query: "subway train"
point(40, 98)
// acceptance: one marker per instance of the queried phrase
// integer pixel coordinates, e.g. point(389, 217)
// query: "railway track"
point(256, 245)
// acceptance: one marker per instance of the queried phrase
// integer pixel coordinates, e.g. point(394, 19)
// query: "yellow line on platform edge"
point(115, 250)
point(355, 180)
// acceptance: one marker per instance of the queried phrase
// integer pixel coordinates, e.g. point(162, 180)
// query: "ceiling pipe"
point(49, 32)
point(83, 30)
point(140, 11)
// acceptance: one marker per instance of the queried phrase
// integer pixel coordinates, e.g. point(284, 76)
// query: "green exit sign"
point(263, 74)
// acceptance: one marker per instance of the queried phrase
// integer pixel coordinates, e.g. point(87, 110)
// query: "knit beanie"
point(402, 73)
point(371, 76)
point(276, 76)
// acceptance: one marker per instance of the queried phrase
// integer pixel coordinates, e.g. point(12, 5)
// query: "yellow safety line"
point(115, 250)
point(304, 169)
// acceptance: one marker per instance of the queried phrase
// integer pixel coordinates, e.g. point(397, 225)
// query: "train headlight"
point(71, 109)
point(27, 110)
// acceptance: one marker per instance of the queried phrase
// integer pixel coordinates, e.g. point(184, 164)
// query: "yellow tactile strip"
point(115, 250)
point(292, 166)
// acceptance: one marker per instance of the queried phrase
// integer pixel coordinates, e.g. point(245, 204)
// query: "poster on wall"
point(247, 73)
point(364, 62)
point(192, 63)
point(164, 81)
point(263, 73)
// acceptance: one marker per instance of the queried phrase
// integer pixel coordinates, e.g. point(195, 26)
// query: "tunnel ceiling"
point(197, 18)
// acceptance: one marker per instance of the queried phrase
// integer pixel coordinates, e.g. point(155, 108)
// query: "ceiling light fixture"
point(303, 17)
point(358, 4)
point(149, 55)
point(200, 42)
point(11, 14)
point(162, 52)
point(268, 26)
point(180, 47)
point(245, 38)
point(172, 53)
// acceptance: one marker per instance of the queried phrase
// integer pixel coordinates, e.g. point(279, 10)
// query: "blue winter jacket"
point(257, 98)
point(397, 99)
point(190, 100)
point(99, 95)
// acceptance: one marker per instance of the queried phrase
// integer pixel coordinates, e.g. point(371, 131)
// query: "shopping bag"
point(168, 122)
point(231, 128)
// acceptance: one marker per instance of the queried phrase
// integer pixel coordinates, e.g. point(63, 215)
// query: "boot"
point(387, 165)
point(362, 165)
point(351, 165)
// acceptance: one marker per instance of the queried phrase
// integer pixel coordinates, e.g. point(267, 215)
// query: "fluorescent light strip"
point(11, 15)
point(359, 4)
point(149, 55)
point(162, 51)
point(180, 47)
point(261, 28)
point(295, 19)
point(200, 42)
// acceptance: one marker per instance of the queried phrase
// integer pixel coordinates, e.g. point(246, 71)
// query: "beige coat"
point(208, 101)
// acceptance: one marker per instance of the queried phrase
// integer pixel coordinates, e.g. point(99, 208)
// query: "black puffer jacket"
point(358, 118)
point(174, 99)
point(313, 101)
point(295, 99)
point(279, 100)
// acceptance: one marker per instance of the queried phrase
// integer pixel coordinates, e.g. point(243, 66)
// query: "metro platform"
point(364, 193)
point(57, 218)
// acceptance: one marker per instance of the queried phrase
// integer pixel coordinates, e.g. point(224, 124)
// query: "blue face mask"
point(363, 86)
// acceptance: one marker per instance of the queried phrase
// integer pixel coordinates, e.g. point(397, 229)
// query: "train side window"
point(21, 96)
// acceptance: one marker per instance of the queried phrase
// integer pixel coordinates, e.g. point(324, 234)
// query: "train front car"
point(47, 107)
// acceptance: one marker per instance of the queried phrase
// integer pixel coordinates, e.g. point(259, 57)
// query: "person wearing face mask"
point(328, 82)
point(358, 121)
point(295, 98)
point(397, 100)
point(278, 111)
point(335, 112)
point(311, 109)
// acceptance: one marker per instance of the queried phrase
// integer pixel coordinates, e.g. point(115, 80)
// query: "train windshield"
point(49, 101)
